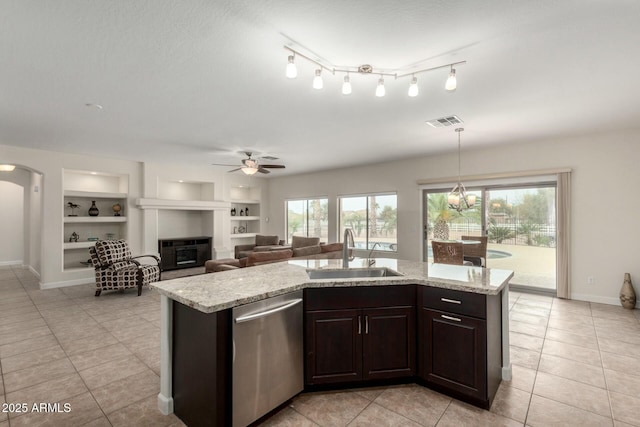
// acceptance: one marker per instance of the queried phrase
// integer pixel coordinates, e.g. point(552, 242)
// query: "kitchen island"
point(450, 306)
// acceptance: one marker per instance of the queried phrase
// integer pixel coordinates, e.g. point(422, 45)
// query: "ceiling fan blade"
point(272, 166)
point(233, 170)
point(221, 164)
point(269, 158)
point(263, 170)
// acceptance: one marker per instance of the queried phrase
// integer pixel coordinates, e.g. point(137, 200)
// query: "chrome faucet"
point(348, 237)
point(370, 261)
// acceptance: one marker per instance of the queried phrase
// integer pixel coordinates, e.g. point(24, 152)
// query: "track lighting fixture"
point(317, 80)
point(413, 87)
point(380, 92)
point(364, 70)
point(451, 81)
point(346, 86)
point(292, 71)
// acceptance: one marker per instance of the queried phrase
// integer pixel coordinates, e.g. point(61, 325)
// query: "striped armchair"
point(116, 269)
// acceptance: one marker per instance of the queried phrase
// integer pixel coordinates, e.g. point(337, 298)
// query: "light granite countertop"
point(213, 292)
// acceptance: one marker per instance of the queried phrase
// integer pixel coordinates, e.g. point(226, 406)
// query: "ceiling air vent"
point(445, 121)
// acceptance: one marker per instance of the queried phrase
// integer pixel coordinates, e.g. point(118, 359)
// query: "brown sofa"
point(263, 243)
point(323, 251)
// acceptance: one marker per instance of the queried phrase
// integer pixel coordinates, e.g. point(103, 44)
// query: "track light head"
point(413, 87)
point(292, 71)
point(451, 81)
point(317, 80)
point(380, 91)
point(346, 85)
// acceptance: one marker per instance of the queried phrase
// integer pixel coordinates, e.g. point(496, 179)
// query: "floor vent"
point(445, 121)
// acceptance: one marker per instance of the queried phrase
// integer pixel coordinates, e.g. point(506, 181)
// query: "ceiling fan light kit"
point(364, 69)
point(251, 166)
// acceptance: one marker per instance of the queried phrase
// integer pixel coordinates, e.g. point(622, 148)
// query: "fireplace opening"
point(185, 252)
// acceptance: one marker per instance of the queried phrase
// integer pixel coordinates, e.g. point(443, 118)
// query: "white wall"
point(34, 228)
point(11, 223)
point(51, 165)
point(605, 212)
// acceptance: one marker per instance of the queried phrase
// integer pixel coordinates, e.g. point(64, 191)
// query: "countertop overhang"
point(214, 292)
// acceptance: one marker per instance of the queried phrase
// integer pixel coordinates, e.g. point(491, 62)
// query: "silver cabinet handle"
point(450, 318)
point(452, 301)
point(359, 325)
point(366, 324)
point(267, 312)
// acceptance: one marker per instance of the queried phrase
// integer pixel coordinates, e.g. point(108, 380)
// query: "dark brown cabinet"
point(357, 334)
point(459, 343)
point(334, 346)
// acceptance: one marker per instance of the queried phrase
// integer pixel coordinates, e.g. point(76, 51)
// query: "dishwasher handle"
point(266, 313)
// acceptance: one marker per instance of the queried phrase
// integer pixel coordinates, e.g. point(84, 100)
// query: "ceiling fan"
point(252, 165)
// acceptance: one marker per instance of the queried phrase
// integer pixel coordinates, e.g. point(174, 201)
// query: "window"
point(373, 219)
point(308, 218)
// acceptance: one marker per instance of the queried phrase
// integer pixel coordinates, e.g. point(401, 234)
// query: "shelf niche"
point(82, 188)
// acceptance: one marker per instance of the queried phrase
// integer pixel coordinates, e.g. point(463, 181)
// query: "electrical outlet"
point(590, 280)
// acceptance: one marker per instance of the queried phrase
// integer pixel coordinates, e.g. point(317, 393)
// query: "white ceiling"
point(196, 81)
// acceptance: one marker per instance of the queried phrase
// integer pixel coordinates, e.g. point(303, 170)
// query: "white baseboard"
point(76, 282)
point(8, 263)
point(33, 271)
point(599, 299)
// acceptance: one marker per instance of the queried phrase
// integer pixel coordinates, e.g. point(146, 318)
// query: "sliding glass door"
point(519, 220)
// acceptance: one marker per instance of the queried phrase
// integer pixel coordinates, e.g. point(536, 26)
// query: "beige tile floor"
point(575, 363)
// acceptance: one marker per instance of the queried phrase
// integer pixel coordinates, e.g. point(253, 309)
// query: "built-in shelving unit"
point(245, 226)
point(84, 188)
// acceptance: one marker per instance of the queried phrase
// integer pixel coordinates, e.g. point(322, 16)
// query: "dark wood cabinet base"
point(201, 366)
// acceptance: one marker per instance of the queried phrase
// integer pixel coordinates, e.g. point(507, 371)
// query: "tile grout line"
point(606, 384)
point(65, 352)
point(9, 415)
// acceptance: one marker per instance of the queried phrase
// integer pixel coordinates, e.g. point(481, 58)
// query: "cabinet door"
point(454, 352)
point(333, 346)
point(388, 342)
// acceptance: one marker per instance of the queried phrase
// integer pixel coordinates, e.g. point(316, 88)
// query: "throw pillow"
point(301, 242)
point(266, 240)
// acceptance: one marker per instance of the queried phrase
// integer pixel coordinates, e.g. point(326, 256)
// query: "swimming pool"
point(491, 254)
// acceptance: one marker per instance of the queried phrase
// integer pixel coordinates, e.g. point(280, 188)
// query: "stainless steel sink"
point(350, 273)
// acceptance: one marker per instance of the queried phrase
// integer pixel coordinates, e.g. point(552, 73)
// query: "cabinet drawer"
point(359, 297)
point(465, 303)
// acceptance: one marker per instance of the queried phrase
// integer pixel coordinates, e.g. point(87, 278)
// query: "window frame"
point(341, 227)
point(307, 201)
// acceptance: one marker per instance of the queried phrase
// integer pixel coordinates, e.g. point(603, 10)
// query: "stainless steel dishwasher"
point(267, 356)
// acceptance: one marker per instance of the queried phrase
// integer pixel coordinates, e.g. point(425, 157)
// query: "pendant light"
point(458, 198)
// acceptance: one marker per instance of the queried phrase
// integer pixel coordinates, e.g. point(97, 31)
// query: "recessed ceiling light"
point(96, 106)
point(94, 173)
point(7, 168)
point(180, 180)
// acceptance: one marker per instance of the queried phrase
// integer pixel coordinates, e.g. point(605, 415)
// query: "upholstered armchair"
point(116, 269)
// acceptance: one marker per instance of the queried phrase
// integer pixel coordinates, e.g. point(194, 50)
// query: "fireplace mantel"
point(192, 205)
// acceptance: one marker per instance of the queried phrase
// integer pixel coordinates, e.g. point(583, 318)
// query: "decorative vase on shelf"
point(93, 210)
point(627, 294)
point(233, 211)
point(246, 211)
